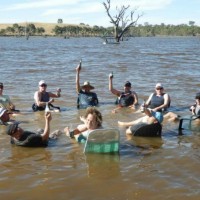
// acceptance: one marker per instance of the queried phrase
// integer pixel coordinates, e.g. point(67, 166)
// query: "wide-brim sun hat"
point(87, 84)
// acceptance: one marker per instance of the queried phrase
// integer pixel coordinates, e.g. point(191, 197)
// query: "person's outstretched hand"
point(48, 116)
point(78, 68)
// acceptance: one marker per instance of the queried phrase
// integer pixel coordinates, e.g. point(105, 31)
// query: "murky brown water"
point(166, 168)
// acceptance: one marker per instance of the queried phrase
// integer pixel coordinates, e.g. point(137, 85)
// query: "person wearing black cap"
point(195, 109)
point(24, 138)
point(127, 98)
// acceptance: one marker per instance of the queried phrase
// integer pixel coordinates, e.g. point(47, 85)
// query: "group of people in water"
point(155, 109)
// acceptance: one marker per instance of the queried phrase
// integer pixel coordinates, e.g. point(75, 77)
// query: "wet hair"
point(93, 111)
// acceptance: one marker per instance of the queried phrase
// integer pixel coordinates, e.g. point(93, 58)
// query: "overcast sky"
point(92, 12)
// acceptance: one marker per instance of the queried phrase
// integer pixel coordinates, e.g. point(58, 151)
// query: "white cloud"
point(141, 4)
point(76, 10)
point(53, 12)
point(151, 5)
point(41, 4)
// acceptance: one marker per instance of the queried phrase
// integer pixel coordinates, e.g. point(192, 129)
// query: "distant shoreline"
point(83, 30)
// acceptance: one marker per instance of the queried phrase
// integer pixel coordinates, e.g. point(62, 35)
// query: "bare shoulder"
point(166, 95)
point(150, 96)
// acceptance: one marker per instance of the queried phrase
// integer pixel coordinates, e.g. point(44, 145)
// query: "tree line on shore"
point(82, 30)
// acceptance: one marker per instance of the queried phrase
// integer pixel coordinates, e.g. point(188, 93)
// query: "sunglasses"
point(159, 88)
point(43, 85)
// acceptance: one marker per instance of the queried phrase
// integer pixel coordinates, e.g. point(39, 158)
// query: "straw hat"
point(87, 84)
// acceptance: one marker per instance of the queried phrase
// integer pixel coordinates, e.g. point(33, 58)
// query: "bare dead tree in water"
point(121, 21)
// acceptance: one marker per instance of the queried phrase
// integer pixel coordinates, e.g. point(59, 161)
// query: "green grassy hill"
point(47, 26)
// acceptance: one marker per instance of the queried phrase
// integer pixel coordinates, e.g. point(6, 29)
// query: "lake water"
point(164, 168)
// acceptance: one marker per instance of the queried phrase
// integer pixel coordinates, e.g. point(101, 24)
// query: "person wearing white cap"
point(159, 101)
point(86, 98)
point(5, 101)
point(42, 97)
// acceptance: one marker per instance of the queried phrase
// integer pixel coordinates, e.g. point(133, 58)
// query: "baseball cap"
point(42, 82)
point(127, 84)
point(11, 129)
point(159, 85)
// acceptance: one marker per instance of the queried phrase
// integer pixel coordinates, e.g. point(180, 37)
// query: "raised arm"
point(78, 87)
point(45, 135)
point(114, 91)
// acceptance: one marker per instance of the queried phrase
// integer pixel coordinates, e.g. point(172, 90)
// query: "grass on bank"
point(47, 26)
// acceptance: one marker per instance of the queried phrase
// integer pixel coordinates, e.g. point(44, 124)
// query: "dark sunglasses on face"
point(159, 88)
point(43, 85)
